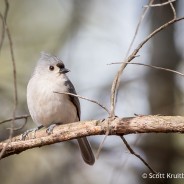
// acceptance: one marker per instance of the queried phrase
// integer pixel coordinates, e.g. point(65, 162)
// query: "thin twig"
point(17, 117)
point(138, 26)
point(105, 137)
point(2, 33)
point(107, 132)
point(152, 66)
point(102, 143)
point(4, 18)
point(4, 148)
point(6, 10)
point(161, 4)
point(14, 77)
point(22, 126)
point(25, 117)
point(173, 10)
point(137, 155)
point(105, 108)
point(116, 81)
point(14, 74)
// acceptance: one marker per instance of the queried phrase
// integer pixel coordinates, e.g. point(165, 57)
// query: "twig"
point(2, 33)
point(138, 26)
point(85, 99)
point(3, 150)
point(173, 10)
point(137, 155)
point(25, 117)
point(17, 117)
point(107, 132)
point(14, 76)
point(6, 9)
point(14, 73)
point(22, 126)
point(161, 4)
point(116, 81)
point(3, 18)
point(101, 144)
point(152, 66)
point(131, 44)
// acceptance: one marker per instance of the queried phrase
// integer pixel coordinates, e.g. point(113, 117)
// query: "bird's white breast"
point(47, 107)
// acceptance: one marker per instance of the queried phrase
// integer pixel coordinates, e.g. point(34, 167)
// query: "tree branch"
point(16, 118)
point(158, 5)
point(116, 81)
point(116, 126)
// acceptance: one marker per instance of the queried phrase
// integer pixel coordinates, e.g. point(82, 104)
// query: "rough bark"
point(116, 126)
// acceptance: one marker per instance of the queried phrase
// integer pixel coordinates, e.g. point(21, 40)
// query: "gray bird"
point(48, 108)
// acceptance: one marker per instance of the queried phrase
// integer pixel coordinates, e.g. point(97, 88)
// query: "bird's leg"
point(50, 129)
point(25, 134)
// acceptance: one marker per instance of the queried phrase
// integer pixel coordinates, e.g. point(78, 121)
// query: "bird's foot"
point(50, 129)
point(138, 115)
point(25, 134)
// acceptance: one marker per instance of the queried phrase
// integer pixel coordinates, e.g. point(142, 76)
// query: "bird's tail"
point(86, 151)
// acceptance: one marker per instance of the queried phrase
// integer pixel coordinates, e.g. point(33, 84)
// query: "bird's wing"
point(74, 99)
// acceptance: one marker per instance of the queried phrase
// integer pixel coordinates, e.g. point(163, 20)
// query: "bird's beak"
point(63, 70)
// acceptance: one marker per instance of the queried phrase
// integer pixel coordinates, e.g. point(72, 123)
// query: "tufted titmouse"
point(48, 108)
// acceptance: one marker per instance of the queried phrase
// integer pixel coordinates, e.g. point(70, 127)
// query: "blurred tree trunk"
point(159, 149)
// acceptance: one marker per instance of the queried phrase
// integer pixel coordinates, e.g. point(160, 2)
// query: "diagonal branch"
point(137, 155)
point(138, 25)
point(153, 67)
point(116, 81)
point(85, 98)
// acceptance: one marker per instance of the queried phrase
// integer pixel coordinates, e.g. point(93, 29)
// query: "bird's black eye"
point(51, 68)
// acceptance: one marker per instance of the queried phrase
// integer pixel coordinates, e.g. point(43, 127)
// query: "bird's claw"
point(25, 134)
point(138, 115)
point(50, 129)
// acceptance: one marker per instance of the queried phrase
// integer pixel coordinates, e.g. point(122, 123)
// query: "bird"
point(47, 108)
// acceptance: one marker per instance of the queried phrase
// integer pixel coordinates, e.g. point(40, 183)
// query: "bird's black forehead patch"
point(60, 65)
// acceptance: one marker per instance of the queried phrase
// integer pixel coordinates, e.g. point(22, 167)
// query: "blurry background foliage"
point(87, 35)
